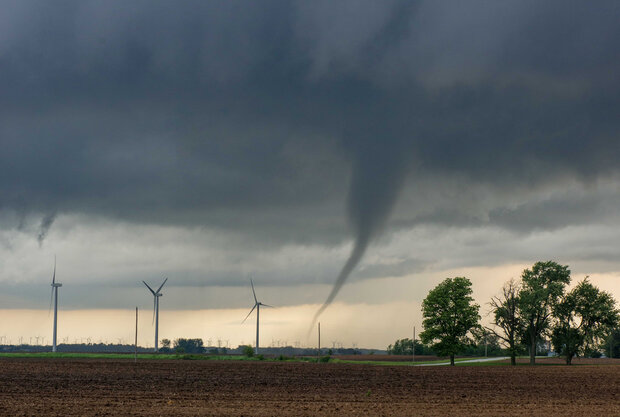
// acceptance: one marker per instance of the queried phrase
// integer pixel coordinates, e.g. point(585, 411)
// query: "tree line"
point(579, 322)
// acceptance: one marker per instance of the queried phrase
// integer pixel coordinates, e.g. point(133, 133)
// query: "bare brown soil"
point(59, 387)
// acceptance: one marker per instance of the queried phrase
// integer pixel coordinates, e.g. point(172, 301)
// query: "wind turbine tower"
point(257, 305)
point(156, 295)
point(54, 296)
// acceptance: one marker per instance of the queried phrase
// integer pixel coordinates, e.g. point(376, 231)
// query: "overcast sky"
point(213, 141)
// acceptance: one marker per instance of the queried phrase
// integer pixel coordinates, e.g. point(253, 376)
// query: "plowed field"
point(39, 387)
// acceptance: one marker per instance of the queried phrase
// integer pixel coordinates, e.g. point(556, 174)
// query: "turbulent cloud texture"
point(292, 123)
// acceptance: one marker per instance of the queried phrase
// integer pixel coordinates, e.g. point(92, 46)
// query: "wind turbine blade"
point(150, 289)
point(267, 305)
point(162, 284)
point(253, 292)
point(54, 276)
point(154, 306)
point(246, 317)
point(49, 311)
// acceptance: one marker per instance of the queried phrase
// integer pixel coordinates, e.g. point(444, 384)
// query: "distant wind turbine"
point(156, 295)
point(54, 297)
point(257, 305)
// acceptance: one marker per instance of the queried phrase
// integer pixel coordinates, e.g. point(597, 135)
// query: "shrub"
point(248, 351)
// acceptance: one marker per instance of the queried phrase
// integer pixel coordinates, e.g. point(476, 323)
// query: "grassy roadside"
point(547, 361)
point(401, 363)
point(163, 356)
point(142, 356)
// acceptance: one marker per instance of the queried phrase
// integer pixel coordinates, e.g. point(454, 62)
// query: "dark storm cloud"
point(256, 116)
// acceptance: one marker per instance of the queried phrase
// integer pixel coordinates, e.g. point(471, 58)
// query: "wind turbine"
point(257, 305)
point(156, 295)
point(54, 296)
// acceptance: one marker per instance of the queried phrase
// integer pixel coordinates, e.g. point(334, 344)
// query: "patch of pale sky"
point(371, 313)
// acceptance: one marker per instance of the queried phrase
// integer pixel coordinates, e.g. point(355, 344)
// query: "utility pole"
point(319, 350)
point(413, 346)
point(135, 355)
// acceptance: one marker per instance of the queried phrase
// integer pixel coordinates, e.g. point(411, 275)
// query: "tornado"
point(44, 228)
point(376, 183)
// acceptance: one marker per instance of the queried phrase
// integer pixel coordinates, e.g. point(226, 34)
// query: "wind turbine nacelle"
point(57, 285)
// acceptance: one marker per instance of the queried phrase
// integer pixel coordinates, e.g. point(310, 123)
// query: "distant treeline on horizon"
point(214, 350)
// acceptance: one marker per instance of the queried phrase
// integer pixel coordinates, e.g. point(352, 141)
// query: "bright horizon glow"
point(372, 326)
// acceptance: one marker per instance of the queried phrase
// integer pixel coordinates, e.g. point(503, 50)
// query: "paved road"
point(501, 358)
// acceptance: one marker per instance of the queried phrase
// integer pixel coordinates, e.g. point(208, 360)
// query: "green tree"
point(583, 318)
point(541, 288)
point(248, 351)
point(484, 343)
point(505, 310)
point(612, 344)
point(189, 346)
point(400, 347)
point(449, 315)
point(165, 345)
point(404, 346)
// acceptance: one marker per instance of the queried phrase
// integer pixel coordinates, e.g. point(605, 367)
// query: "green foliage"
point(612, 344)
point(188, 346)
point(484, 342)
point(324, 359)
point(129, 356)
point(400, 347)
point(404, 347)
point(505, 309)
point(165, 346)
point(449, 315)
point(583, 318)
point(248, 351)
point(541, 288)
point(191, 357)
point(595, 354)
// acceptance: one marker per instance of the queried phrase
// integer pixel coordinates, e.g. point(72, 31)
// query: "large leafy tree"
point(583, 318)
point(449, 315)
point(541, 288)
point(508, 326)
